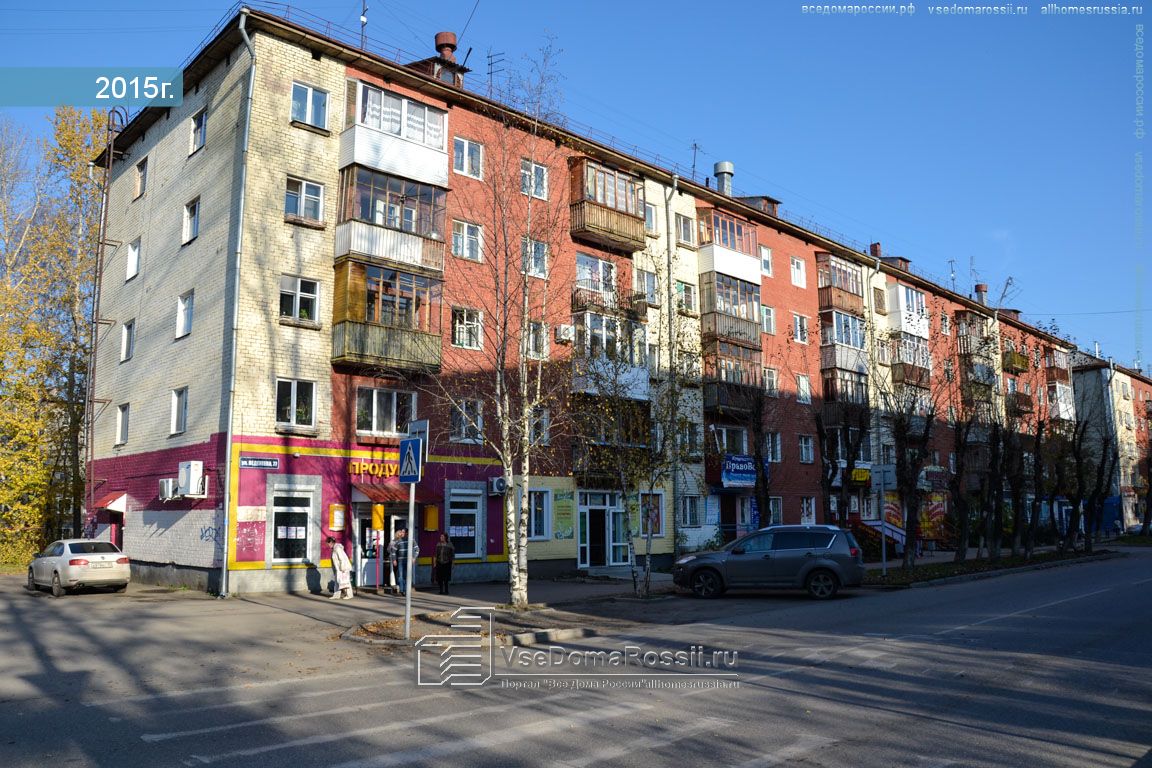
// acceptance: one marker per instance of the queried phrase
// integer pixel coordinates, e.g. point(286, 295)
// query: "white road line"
point(392, 726)
point(220, 689)
point(990, 619)
point(807, 743)
point(679, 733)
point(154, 737)
point(246, 702)
point(501, 737)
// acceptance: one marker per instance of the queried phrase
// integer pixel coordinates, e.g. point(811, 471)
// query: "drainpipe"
point(239, 250)
point(670, 311)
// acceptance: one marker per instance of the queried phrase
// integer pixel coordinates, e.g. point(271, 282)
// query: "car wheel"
point(822, 584)
point(707, 583)
point(119, 587)
point(57, 588)
point(31, 581)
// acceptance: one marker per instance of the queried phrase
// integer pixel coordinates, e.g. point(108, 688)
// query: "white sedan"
point(73, 563)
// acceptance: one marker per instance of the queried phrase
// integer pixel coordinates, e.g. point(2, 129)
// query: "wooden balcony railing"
point(1019, 403)
point(1015, 362)
point(385, 346)
point(832, 297)
point(912, 375)
point(717, 325)
point(1058, 373)
point(607, 226)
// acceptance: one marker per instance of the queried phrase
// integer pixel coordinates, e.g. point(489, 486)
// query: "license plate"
point(101, 565)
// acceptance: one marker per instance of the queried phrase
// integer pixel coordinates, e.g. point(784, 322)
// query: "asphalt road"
point(1048, 668)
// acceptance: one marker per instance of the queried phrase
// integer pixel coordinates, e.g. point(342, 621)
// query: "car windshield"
point(93, 548)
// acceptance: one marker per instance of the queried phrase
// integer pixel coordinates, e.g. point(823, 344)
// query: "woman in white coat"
point(342, 570)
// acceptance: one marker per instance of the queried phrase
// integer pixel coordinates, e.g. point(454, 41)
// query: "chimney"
point(724, 171)
point(446, 45)
point(874, 249)
point(982, 293)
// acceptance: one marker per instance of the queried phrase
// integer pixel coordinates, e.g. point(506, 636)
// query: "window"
point(945, 323)
point(384, 411)
point(613, 189)
point(768, 319)
point(775, 510)
point(466, 328)
point(771, 381)
point(879, 301)
point(536, 340)
point(808, 510)
point(298, 298)
point(184, 306)
point(952, 462)
point(652, 514)
point(535, 257)
point(294, 402)
point(393, 202)
point(766, 261)
point(690, 438)
point(541, 427)
point(842, 328)
point(464, 510)
point(773, 447)
point(179, 421)
point(800, 328)
point(684, 227)
point(399, 116)
point(686, 295)
point(593, 274)
point(803, 388)
point(533, 179)
point(467, 422)
point(807, 449)
point(309, 105)
point(304, 200)
point(132, 267)
point(127, 340)
point(744, 513)
point(600, 335)
point(730, 439)
point(467, 240)
point(291, 517)
point(913, 300)
point(730, 296)
point(832, 272)
point(192, 220)
point(468, 157)
point(402, 300)
point(949, 371)
point(690, 511)
point(729, 232)
point(539, 514)
point(644, 282)
point(122, 423)
point(650, 218)
point(141, 177)
point(842, 386)
point(199, 130)
point(799, 278)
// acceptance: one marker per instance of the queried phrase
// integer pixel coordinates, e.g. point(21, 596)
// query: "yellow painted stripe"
point(358, 453)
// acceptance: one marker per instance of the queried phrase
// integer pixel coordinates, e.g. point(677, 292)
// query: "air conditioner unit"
point(565, 334)
point(190, 479)
point(167, 488)
point(497, 486)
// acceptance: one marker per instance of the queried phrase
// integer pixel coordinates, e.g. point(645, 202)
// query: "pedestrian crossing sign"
point(411, 464)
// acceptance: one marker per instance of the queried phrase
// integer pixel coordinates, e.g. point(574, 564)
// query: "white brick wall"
point(192, 537)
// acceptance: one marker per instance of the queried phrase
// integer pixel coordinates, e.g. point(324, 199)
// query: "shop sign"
point(374, 468)
point(739, 471)
point(253, 462)
point(861, 476)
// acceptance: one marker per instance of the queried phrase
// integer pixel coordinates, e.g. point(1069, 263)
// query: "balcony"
point(724, 327)
point(721, 397)
point(1014, 362)
point(843, 357)
point(1019, 403)
point(976, 392)
point(361, 145)
point(385, 346)
point(607, 227)
point(911, 375)
point(1058, 373)
point(1062, 408)
point(1148, 409)
point(359, 238)
point(833, 297)
point(973, 345)
point(611, 378)
point(595, 296)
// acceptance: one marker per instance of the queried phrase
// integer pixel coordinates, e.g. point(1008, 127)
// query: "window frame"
point(533, 177)
point(658, 531)
point(800, 330)
point(467, 324)
point(685, 521)
point(141, 178)
point(191, 229)
point(766, 259)
point(465, 238)
point(302, 197)
point(685, 230)
point(392, 418)
point(185, 313)
point(309, 117)
point(127, 340)
point(294, 405)
point(774, 447)
point(462, 152)
point(199, 131)
point(806, 446)
point(687, 289)
point(534, 257)
point(463, 428)
point(298, 295)
point(803, 389)
point(544, 513)
point(178, 423)
point(132, 259)
point(123, 417)
point(799, 272)
point(768, 320)
point(536, 331)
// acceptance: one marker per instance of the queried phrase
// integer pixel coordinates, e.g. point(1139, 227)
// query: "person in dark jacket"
point(442, 562)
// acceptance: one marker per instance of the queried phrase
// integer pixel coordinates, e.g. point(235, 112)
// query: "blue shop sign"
point(739, 471)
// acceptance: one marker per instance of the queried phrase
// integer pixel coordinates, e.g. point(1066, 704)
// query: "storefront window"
point(464, 510)
point(290, 516)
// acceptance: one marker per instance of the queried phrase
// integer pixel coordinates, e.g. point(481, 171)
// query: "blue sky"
point(995, 147)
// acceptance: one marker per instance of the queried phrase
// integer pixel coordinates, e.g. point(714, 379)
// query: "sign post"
point(882, 475)
point(411, 467)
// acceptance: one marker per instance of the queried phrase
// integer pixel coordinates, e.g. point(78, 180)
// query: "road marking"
point(154, 737)
point(501, 737)
point(393, 726)
point(990, 619)
point(246, 702)
point(1142, 581)
point(807, 743)
point(648, 742)
point(220, 689)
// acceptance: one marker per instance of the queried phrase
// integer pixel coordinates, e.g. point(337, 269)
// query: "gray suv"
point(818, 558)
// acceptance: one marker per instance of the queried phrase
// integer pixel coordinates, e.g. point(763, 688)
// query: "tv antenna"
point(494, 61)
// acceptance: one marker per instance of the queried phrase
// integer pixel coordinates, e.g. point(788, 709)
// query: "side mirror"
point(738, 550)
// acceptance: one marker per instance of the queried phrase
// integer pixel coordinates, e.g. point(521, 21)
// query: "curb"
point(1008, 571)
point(542, 636)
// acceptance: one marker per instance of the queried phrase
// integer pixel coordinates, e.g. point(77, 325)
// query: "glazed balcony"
point(383, 244)
point(833, 297)
point(1019, 403)
point(1014, 362)
point(844, 357)
point(385, 152)
point(727, 397)
point(1058, 374)
point(723, 327)
point(385, 346)
point(974, 345)
point(607, 227)
point(911, 375)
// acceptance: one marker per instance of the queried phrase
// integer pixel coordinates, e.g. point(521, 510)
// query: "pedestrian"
point(442, 562)
point(398, 553)
point(342, 569)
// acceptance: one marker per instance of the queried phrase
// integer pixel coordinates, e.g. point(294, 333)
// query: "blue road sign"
point(411, 460)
